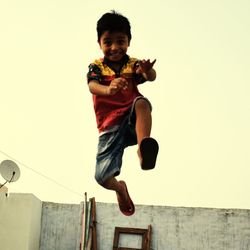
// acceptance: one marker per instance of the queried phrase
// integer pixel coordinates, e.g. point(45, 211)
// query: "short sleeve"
point(94, 73)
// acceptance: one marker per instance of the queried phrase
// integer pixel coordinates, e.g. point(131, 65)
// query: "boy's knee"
point(142, 104)
point(99, 179)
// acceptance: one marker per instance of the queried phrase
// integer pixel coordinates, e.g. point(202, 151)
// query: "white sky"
point(201, 104)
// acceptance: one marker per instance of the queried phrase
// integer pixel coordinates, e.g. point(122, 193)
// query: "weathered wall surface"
point(174, 228)
point(61, 225)
point(177, 228)
point(24, 219)
point(20, 222)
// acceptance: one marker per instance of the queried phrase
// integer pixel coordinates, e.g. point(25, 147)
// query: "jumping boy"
point(123, 115)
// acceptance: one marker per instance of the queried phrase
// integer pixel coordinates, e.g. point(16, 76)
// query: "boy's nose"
point(114, 46)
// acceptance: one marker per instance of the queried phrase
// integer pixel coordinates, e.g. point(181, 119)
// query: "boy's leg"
point(143, 119)
point(125, 203)
point(113, 184)
point(148, 147)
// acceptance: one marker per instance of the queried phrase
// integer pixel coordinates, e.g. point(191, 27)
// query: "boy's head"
point(113, 22)
point(114, 35)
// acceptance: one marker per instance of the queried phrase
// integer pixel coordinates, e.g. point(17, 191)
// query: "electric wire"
point(43, 175)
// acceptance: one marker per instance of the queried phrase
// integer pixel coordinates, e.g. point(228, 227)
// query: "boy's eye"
point(121, 42)
point(107, 43)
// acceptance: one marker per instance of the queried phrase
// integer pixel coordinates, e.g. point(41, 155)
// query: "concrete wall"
point(60, 227)
point(174, 228)
point(179, 228)
point(20, 222)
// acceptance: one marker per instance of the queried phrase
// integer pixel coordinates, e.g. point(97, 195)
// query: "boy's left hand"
point(145, 66)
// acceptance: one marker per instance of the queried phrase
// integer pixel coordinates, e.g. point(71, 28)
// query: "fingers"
point(120, 83)
point(123, 83)
point(117, 84)
point(147, 62)
point(146, 65)
point(153, 63)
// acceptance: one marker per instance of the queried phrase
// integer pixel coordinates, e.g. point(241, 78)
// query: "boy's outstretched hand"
point(146, 69)
point(145, 66)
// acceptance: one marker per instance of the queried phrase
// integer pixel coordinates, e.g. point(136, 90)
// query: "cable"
point(3, 184)
point(13, 174)
point(41, 174)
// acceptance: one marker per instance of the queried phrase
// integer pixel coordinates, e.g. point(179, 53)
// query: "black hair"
point(113, 22)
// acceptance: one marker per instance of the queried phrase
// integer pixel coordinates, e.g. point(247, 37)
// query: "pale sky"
point(201, 99)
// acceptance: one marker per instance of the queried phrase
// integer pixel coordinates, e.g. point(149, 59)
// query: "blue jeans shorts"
point(112, 144)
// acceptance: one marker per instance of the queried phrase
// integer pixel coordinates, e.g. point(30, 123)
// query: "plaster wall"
point(178, 228)
point(61, 226)
point(25, 222)
point(20, 222)
point(173, 228)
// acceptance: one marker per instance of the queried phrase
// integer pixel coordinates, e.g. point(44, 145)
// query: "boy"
point(123, 115)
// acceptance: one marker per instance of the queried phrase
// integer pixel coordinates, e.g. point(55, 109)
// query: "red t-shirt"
point(110, 110)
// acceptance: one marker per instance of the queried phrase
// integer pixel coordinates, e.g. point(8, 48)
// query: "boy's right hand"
point(116, 85)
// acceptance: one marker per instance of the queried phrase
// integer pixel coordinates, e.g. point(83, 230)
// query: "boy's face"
point(114, 45)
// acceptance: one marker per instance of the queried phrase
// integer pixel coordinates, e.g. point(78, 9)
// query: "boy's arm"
point(116, 85)
point(96, 88)
point(150, 75)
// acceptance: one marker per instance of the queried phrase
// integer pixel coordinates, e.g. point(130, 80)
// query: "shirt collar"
point(122, 62)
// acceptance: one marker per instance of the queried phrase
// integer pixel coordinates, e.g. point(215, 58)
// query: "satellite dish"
point(9, 171)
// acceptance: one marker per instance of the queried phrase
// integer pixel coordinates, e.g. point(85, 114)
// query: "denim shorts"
point(112, 144)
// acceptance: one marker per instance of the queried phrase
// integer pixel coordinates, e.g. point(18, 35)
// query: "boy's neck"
point(117, 66)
